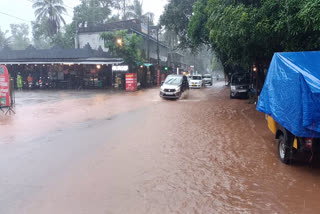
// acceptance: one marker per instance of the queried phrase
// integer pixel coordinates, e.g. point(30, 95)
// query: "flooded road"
point(101, 152)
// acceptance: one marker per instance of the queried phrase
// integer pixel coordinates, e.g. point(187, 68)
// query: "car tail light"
point(309, 142)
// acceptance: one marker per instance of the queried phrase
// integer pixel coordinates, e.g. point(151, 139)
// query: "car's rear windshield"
point(240, 80)
point(196, 78)
point(173, 80)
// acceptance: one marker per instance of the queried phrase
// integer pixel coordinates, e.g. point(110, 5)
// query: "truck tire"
point(283, 150)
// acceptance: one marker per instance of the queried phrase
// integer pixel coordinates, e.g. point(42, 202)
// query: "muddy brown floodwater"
point(136, 153)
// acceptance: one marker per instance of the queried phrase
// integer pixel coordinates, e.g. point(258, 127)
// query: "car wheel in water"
point(179, 96)
point(283, 150)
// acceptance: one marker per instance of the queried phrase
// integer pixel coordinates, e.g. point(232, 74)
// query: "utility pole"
point(148, 38)
point(158, 48)
point(124, 10)
point(194, 63)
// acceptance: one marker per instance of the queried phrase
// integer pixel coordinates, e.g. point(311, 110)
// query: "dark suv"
point(239, 85)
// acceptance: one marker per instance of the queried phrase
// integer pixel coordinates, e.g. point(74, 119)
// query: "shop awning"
point(62, 63)
point(58, 55)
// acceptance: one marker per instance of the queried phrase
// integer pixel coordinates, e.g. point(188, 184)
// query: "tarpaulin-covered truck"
point(291, 100)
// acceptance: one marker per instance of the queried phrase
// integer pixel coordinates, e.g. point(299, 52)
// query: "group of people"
point(20, 81)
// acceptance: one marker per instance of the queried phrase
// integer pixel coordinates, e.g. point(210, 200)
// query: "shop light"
point(119, 41)
point(98, 66)
point(254, 68)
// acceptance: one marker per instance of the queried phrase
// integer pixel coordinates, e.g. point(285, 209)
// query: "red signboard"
point(131, 82)
point(93, 71)
point(4, 87)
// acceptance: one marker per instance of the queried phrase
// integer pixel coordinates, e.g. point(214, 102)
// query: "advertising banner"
point(131, 82)
point(4, 87)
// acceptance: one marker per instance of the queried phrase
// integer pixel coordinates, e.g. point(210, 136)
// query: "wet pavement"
point(110, 152)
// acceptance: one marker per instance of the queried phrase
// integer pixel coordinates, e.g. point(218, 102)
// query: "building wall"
point(93, 39)
point(163, 54)
point(95, 42)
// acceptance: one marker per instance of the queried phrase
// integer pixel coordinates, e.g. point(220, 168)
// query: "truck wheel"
point(283, 150)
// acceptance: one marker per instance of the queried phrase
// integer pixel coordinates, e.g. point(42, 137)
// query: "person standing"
point(19, 82)
point(30, 81)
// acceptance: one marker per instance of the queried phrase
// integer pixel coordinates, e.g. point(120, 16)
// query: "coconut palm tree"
point(51, 12)
point(135, 11)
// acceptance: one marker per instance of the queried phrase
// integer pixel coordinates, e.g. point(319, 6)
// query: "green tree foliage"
point(64, 38)
point(40, 35)
point(124, 45)
point(50, 11)
point(4, 40)
point(176, 18)
point(122, 6)
point(19, 39)
point(197, 29)
point(94, 12)
point(246, 32)
point(135, 11)
point(89, 12)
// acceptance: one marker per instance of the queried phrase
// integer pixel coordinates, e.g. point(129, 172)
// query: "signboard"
point(144, 28)
point(131, 82)
point(4, 87)
point(123, 68)
point(93, 71)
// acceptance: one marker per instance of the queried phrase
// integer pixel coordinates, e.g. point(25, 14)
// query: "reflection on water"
point(39, 112)
point(204, 153)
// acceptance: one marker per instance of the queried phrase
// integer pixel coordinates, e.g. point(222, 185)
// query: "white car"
point(174, 86)
point(196, 81)
point(207, 79)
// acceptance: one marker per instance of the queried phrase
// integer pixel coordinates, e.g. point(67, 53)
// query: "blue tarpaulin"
point(291, 93)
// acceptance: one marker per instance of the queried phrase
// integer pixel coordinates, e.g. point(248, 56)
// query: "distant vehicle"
point(174, 86)
point(196, 81)
point(207, 79)
point(239, 85)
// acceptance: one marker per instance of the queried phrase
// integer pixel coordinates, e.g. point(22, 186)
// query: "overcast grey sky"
point(22, 9)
